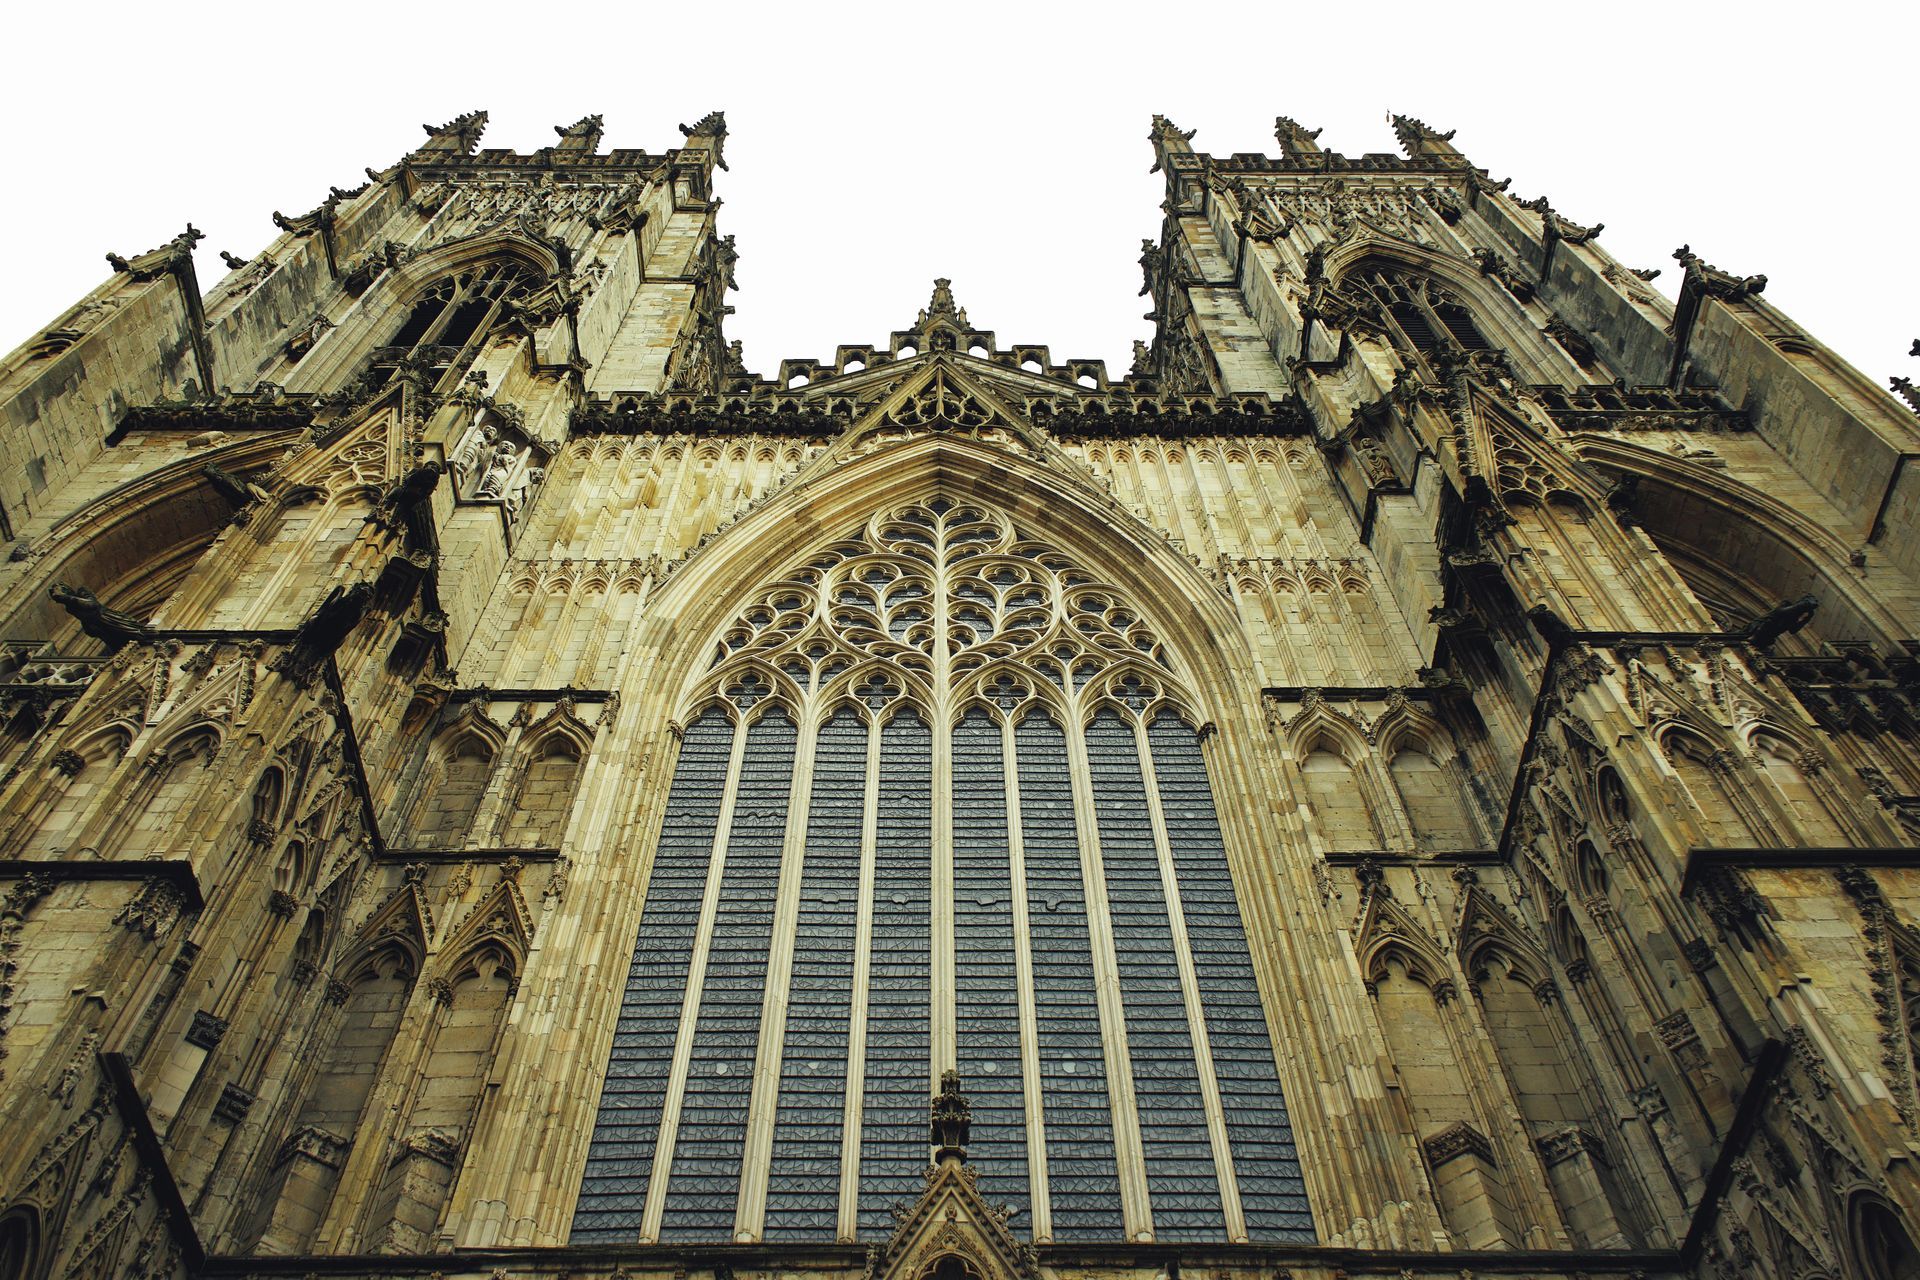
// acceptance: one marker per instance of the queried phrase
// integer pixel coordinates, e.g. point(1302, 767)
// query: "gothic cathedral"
point(1417, 778)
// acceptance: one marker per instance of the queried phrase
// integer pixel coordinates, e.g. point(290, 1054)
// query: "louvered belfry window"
point(1425, 313)
point(940, 802)
point(450, 321)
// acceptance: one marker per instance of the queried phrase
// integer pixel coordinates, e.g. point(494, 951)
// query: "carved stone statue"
point(494, 483)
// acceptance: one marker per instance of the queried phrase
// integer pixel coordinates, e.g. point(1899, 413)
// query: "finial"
point(940, 308)
point(175, 256)
point(1168, 138)
point(582, 137)
point(1421, 139)
point(712, 125)
point(952, 1120)
point(1165, 130)
point(458, 136)
point(1296, 141)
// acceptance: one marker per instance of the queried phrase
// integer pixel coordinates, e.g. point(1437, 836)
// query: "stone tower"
point(1417, 778)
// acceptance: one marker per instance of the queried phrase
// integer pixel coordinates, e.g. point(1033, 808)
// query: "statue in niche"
point(494, 483)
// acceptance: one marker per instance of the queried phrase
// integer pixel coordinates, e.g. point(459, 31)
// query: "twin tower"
point(1418, 777)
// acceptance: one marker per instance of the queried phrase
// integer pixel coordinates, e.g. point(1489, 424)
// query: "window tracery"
point(1423, 314)
point(1005, 859)
point(448, 322)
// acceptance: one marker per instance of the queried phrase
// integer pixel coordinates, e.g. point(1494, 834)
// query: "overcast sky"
point(875, 147)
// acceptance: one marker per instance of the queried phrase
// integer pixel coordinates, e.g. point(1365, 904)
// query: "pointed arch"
point(404, 920)
point(1742, 551)
point(459, 766)
point(366, 323)
point(134, 546)
point(1499, 317)
point(971, 530)
point(1385, 934)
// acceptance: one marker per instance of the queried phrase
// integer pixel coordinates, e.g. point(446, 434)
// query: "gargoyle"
point(1787, 616)
point(325, 629)
point(237, 490)
point(406, 502)
point(111, 627)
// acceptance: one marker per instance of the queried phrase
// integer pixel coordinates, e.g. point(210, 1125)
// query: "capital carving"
point(1456, 1140)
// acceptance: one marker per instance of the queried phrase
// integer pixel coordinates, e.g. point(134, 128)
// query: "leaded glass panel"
point(620, 1161)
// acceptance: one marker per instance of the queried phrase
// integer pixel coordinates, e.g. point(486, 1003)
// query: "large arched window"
point(1426, 316)
point(448, 322)
point(960, 777)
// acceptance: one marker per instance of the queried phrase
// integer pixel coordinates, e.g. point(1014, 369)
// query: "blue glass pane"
point(620, 1159)
point(1185, 1190)
point(1082, 1176)
point(803, 1181)
point(704, 1188)
point(988, 999)
point(893, 1130)
point(1266, 1166)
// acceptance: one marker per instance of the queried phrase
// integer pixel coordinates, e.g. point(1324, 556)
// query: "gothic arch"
point(1498, 314)
point(1764, 547)
point(20, 1243)
point(132, 546)
point(367, 319)
point(1879, 1241)
point(691, 624)
point(703, 596)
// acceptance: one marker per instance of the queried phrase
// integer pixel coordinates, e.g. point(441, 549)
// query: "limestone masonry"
point(1417, 778)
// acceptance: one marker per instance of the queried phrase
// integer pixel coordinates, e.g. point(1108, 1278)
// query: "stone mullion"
point(1357, 1159)
point(944, 1051)
point(1233, 496)
point(1180, 518)
point(223, 565)
point(1231, 1210)
point(550, 1068)
point(1627, 960)
point(1122, 483)
point(1253, 616)
point(656, 1206)
point(1594, 1073)
point(1593, 1014)
point(1360, 663)
point(280, 1079)
point(1390, 812)
point(1312, 631)
point(292, 554)
point(1261, 484)
point(1033, 1098)
point(763, 1107)
point(850, 1127)
point(1862, 823)
point(492, 811)
point(1204, 511)
point(1153, 496)
point(1136, 1204)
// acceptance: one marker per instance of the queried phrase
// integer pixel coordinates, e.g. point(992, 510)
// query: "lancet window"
point(1426, 316)
point(443, 331)
point(962, 779)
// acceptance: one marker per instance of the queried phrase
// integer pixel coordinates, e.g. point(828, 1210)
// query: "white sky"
point(874, 147)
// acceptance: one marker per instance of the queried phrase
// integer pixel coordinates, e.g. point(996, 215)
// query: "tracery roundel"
point(952, 604)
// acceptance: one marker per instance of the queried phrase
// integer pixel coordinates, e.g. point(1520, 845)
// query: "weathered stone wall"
point(1577, 881)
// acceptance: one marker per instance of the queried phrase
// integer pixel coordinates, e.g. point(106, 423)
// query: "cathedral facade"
point(1417, 778)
